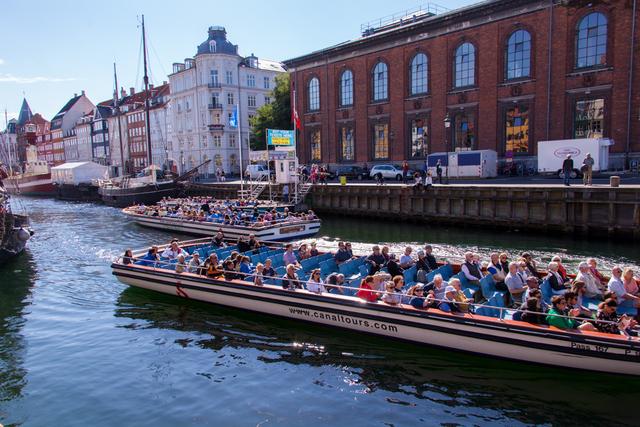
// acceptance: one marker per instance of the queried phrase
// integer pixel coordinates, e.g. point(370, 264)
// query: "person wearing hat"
point(567, 168)
point(449, 304)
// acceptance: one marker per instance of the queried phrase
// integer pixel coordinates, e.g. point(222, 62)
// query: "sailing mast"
point(117, 106)
point(146, 98)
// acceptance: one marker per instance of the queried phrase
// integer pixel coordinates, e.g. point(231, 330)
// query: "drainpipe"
point(630, 84)
point(549, 57)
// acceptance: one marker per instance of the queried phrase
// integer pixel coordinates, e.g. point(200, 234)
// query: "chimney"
point(75, 95)
point(132, 91)
point(164, 82)
point(83, 92)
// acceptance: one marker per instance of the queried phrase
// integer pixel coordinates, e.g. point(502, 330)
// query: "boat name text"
point(339, 318)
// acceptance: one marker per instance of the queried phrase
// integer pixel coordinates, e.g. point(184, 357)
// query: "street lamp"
point(447, 125)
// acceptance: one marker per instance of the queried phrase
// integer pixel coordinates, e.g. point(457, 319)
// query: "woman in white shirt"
point(314, 284)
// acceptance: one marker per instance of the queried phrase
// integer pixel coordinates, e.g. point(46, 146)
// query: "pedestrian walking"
point(439, 171)
point(587, 169)
point(567, 169)
point(405, 172)
point(285, 193)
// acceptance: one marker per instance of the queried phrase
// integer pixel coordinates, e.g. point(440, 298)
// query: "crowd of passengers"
point(520, 280)
point(227, 212)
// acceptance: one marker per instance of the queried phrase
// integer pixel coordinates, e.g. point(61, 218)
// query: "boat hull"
point(32, 185)
point(284, 232)
point(80, 192)
point(469, 333)
point(14, 244)
point(148, 194)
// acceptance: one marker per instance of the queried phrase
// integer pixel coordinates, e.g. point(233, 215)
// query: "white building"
point(160, 126)
point(205, 91)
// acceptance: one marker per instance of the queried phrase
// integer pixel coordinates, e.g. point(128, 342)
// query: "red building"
point(504, 73)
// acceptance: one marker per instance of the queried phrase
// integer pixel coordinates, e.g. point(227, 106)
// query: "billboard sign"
point(281, 138)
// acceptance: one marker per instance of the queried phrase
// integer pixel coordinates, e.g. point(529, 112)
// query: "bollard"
point(614, 181)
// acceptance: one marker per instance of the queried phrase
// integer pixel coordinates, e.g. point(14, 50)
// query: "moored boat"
point(469, 332)
point(77, 181)
point(14, 230)
point(292, 228)
point(36, 179)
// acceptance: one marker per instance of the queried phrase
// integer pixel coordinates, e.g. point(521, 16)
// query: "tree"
point(276, 115)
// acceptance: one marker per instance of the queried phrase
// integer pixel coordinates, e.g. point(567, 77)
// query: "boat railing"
point(163, 265)
point(250, 224)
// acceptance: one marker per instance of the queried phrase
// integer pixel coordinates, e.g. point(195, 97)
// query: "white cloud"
point(1, 61)
point(10, 78)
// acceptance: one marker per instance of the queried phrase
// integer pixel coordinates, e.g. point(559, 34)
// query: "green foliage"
point(276, 115)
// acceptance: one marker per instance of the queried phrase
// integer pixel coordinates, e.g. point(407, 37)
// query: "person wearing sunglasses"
point(314, 284)
point(565, 319)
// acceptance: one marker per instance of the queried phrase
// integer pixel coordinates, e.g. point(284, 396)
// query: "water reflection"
point(471, 387)
point(18, 276)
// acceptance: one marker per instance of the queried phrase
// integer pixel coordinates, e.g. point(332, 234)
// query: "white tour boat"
point(473, 333)
point(281, 230)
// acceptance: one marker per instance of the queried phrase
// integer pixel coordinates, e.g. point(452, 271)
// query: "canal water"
point(77, 348)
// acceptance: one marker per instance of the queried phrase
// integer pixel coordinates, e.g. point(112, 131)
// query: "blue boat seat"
point(329, 266)
point(446, 271)
point(410, 274)
point(488, 286)
point(627, 307)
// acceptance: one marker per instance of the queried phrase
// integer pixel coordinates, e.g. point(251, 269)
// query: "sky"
point(54, 49)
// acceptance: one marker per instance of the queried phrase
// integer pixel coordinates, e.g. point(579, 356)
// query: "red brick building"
point(506, 73)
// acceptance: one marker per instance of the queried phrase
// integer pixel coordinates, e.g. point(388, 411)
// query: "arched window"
point(591, 41)
point(419, 68)
point(380, 79)
point(314, 94)
point(465, 65)
point(346, 88)
point(518, 59)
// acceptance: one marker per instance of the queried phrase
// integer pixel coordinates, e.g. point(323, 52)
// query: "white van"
point(256, 172)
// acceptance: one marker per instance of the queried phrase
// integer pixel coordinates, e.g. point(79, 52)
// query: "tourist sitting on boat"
point(313, 250)
point(243, 244)
point(422, 263)
point(561, 318)
point(211, 268)
point(253, 242)
point(574, 302)
point(342, 255)
point(416, 292)
point(385, 253)
point(592, 287)
point(334, 282)
point(173, 251)
point(379, 280)
point(530, 264)
point(231, 271)
point(303, 252)
point(127, 258)
point(461, 299)
point(406, 260)
point(289, 257)
point(290, 280)
point(314, 284)
point(448, 303)
point(435, 289)
point(258, 275)
point(471, 270)
point(375, 260)
point(366, 291)
point(610, 322)
point(516, 282)
point(393, 267)
point(150, 259)
point(245, 266)
point(431, 260)
point(561, 269)
point(617, 285)
point(630, 282)
point(543, 307)
point(181, 265)
point(555, 279)
point(390, 296)
point(532, 312)
point(269, 271)
point(497, 271)
point(195, 264)
point(593, 269)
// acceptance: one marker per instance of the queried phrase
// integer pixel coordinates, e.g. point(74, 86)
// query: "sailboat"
point(150, 186)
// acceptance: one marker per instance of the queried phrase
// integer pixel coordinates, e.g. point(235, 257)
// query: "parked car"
point(389, 172)
point(352, 172)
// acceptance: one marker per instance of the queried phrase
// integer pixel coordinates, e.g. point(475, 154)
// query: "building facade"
point(63, 137)
point(499, 75)
point(160, 126)
point(100, 152)
point(206, 92)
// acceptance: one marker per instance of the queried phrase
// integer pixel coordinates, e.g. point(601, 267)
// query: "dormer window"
point(212, 46)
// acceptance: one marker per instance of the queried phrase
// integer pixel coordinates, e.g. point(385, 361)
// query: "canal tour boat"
point(275, 231)
point(488, 331)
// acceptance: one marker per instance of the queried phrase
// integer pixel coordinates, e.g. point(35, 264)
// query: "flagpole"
point(238, 122)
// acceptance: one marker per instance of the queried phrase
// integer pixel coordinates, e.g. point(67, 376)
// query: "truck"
point(551, 154)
